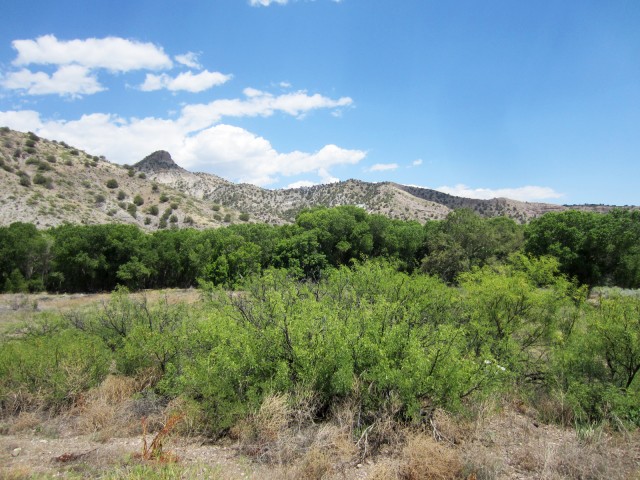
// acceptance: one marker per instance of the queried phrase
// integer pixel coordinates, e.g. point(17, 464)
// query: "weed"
point(154, 450)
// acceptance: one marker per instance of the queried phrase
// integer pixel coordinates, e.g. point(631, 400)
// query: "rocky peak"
point(157, 162)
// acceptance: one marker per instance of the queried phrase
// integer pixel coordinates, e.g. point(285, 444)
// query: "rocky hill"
point(47, 183)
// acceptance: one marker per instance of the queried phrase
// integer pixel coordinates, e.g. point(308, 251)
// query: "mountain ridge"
point(47, 182)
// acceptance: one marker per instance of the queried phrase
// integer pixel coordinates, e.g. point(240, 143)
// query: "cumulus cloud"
point(382, 167)
point(257, 103)
point(416, 163)
point(71, 80)
point(111, 53)
point(526, 193)
point(186, 81)
point(225, 150)
point(189, 59)
point(234, 152)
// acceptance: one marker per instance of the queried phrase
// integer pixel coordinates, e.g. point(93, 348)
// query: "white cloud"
point(71, 80)
point(416, 163)
point(526, 193)
point(266, 3)
point(189, 59)
point(233, 152)
point(382, 167)
point(111, 53)
point(257, 103)
point(225, 150)
point(326, 177)
point(301, 183)
point(185, 81)
point(22, 121)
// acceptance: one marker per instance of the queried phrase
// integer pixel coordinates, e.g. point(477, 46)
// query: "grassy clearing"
point(20, 308)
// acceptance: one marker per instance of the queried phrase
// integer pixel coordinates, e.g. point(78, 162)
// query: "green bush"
point(596, 366)
point(138, 200)
point(40, 179)
point(153, 210)
point(50, 370)
point(121, 195)
point(132, 209)
point(25, 181)
point(112, 183)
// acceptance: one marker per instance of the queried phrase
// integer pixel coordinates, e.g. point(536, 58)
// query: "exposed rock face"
point(156, 162)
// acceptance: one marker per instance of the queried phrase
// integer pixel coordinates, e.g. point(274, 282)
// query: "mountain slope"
point(279, 206)
point(48, 183)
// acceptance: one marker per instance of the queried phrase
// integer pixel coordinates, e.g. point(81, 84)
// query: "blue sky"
point(537, 101)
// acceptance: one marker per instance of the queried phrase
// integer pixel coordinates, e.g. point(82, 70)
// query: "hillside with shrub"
point(49, 183)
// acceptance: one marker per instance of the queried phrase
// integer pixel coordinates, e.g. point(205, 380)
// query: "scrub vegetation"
point(343, 339)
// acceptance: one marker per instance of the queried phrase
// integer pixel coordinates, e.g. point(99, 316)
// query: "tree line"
point(595, 249)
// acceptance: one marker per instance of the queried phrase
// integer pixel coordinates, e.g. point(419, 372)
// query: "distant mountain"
point(47, 183)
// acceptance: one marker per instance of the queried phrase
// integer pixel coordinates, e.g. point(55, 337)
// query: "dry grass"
point(20, 472)
point(109, 409)
point(513, 443)
point(191, 416)
point(25, 420)
point(425, 459)
point(282, 432)
point(386, 469)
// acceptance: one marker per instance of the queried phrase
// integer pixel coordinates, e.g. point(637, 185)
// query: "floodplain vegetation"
point(475, 349)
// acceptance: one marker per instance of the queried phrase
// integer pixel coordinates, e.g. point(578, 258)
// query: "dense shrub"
point(112, 183)
point(50, 370)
